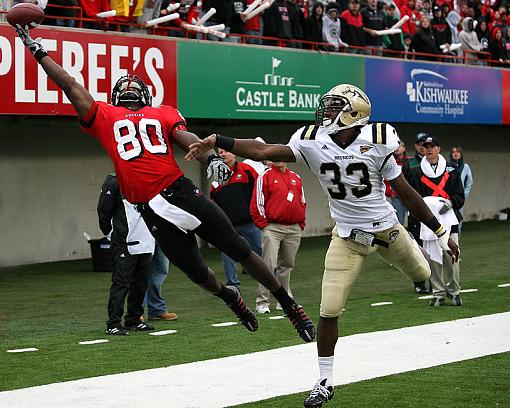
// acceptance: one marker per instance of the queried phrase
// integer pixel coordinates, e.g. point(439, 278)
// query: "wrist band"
point(225, 143)
point(434, 225)
point(39, 55)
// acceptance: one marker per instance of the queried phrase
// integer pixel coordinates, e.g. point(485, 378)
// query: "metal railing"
point(468, 57)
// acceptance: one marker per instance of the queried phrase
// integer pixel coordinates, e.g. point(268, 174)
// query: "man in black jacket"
point(132, 246)
point(436, 177)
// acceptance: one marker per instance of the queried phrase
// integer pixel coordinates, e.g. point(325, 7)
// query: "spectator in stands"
point(276, 22)
point(223, 15)
point(469, 41)
point(4, 6)
point(466, 176)
point(373, 20)
point(441, 28)
point(393, 42)
point(278, 208)
point(425, 42)
point(188, 10)
point(487, 11)
point(234, 198)
point(127, 12)
point(67, 15)
point(331, 29)
point(236, 22)
point(453, 19)
point(313, 23)
point(498, 49)
point(506, 40)
point(253, 26)
point(297, 20)
point(408, 39)
point(90, 9)
point(497, 21)
point(482, 32)
point(353, 34)
point(410, 9)
point(151, 10)
point(426, 9)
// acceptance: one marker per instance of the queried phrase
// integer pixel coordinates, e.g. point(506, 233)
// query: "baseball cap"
point(431, 140)
point(436, 8)
point(420, 136)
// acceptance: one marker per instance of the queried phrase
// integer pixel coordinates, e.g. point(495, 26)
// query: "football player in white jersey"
point(351, 158)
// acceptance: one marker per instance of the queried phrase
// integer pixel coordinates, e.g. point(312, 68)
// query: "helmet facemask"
point(329, 111)
point(131, 89)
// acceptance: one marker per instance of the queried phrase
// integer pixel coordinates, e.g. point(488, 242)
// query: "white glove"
point(443, 236)
point(447, 206)
point(34, 46)
point(218, 170)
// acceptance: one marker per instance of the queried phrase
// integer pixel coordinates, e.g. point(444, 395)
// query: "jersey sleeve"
point(175, 120)
point(295, 142)
point(390, 169)
point(91, 123)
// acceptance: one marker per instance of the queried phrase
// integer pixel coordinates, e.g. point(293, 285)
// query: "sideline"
point(257, 376)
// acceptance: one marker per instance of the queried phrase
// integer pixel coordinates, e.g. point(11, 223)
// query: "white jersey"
point(352, 175)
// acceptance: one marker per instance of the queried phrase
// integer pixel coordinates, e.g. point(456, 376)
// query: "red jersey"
point(92, 7)
point(139, 144)
point(278, 198)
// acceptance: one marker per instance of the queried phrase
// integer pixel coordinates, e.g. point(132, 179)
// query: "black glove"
point(34, 46)
point(217, 169)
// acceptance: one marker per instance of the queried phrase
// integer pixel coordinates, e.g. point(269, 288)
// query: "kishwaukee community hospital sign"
point(258, 83)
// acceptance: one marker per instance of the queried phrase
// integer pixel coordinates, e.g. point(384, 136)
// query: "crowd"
point(437, 30)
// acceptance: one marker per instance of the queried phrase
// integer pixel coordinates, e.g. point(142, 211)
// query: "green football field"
point(54, 306)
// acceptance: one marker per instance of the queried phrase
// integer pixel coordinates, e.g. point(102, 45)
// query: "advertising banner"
point(433, 93)
point(233, 82)
point(96, 60)
point(505, 74)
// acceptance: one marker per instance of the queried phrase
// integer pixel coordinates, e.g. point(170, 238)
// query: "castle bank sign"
point(277, 91)
point(431, 94)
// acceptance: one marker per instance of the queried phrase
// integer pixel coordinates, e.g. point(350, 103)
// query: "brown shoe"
point(164, 316)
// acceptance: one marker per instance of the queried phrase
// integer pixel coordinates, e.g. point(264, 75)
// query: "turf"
point(54, 306)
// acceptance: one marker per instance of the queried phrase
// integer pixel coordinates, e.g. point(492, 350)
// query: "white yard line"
point(253, 377)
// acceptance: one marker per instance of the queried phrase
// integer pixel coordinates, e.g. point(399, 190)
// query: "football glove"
point(34, 46)
point(447, 206)
point(217, 169)
point(443, 236)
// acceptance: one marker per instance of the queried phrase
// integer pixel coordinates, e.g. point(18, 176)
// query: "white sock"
point(326, 368)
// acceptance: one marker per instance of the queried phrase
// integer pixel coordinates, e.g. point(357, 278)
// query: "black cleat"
point(302, 323)
point(436, 301)
point(117, 331)
point(141, 327)
point(243, 313)
point(456, 300)
point(320, 394)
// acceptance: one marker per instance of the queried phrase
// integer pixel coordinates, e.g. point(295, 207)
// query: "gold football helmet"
point(343, 107)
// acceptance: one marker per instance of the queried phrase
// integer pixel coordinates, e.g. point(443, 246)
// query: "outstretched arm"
point(81, 99)
point(185, 140)
point(248, 148)
point(414, 202)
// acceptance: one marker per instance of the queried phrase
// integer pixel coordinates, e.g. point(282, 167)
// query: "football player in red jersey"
point(138, 138)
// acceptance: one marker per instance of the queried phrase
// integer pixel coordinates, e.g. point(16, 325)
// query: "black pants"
point(129, 279)
point(180, 246)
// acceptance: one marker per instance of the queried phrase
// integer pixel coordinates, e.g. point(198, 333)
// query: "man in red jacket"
point(278, 208)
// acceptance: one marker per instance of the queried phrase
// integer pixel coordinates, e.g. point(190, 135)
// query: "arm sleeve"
point(257, 209)
point(106, 204)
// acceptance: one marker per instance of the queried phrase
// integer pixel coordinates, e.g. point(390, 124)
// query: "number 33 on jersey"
point(352, 174)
